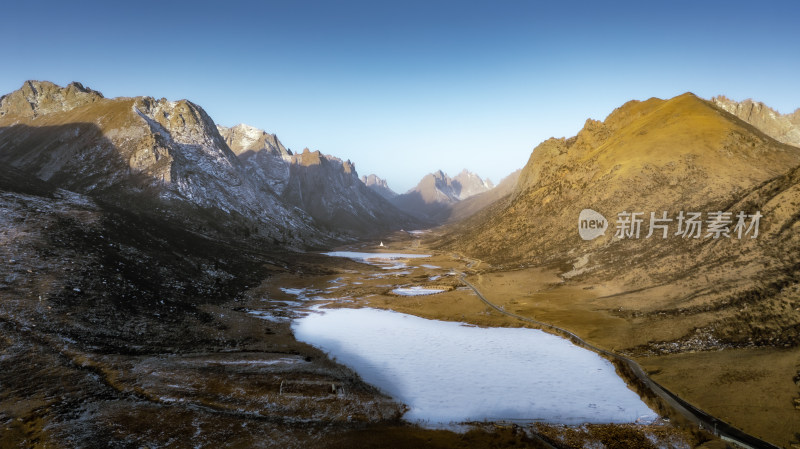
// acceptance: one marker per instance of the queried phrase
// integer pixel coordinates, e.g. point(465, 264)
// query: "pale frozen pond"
point(449, 373)
point(416, 291)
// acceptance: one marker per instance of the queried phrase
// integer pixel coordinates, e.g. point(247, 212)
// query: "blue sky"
point(405, 88)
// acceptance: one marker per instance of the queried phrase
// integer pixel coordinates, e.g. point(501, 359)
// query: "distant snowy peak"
point(379, 185)
point(435, 195)
point(439, 187)
point(471, 184)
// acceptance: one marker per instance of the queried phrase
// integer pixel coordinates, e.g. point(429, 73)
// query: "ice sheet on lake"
point(447, 372)
point(387, 261)
point(416, 291)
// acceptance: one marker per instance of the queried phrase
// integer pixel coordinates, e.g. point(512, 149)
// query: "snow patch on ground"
point(302, 294)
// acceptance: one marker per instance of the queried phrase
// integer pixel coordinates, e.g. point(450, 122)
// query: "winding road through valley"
point(690, 412)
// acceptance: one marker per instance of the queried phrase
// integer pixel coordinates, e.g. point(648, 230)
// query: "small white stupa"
point(381, 245)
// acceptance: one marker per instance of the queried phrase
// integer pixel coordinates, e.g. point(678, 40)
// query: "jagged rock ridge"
point(379, 185)
point(330, 190)
point(781, 127)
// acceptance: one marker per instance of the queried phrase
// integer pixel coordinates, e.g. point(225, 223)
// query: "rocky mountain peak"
point(374, 180)
point(36, 98)
point(781, 127)
point(349, 167)
point(186, 122)
point(471, 184)
point(245, 138)
point(308, 158)
point(437, 192)
point(378, 185)
point(654, 155)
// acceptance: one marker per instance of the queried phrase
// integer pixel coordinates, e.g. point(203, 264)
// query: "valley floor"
point(112, 338)
point(754, 389)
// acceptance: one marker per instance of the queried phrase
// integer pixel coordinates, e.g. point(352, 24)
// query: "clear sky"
point(404, 88)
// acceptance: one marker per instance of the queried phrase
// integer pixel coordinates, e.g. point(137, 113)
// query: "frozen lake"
point(449, 372)
point(416, 291)
point(355, 255)
point(387, 261)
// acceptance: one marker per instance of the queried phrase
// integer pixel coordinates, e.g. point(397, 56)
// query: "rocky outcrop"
point(379, 185)
point(781, 127)
point(244, 138)
point(36, 98)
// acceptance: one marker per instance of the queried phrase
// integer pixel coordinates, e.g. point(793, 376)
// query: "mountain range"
point(781, 127)
point(669, 158)
point(683, 299)
point(170, 158)
point(433, 198)
point(133, 227)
